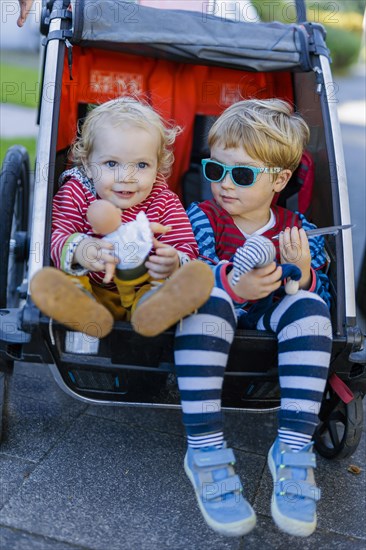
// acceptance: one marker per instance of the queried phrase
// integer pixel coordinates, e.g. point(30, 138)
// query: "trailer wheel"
point(3, 394)
point(339, 431)
point(14, 212)
point(14, 207)
point(6, 369)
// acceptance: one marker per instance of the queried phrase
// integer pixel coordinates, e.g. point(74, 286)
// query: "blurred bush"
point(342, 19)
point(347, 20)
point(344, 47)
point(357, 6)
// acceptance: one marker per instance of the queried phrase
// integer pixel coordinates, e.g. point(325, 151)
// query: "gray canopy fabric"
point(191, 37)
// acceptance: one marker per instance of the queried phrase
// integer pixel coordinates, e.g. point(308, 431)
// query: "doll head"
point(104, 217)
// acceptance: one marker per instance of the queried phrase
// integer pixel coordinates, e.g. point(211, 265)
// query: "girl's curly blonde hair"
point(268, 129)
point(119, 111)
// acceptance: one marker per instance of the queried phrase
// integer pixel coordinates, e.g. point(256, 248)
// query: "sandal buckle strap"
point(298, 460)
point(217, 489)
point(220, 457)
point(297, 488)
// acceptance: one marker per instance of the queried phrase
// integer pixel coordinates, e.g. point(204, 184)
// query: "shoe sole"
point(286, 524)
point(187, 290)
point(54, 293)
point(235, 529)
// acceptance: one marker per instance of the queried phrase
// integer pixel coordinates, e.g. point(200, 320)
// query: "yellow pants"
point(122, 303)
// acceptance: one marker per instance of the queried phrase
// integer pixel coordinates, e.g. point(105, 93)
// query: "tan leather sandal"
point(64, 299)
point(180, 295)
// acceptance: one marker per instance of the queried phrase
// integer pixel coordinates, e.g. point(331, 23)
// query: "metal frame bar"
point(50, 104)
point(300, 11)
point(335, 147)
point(90, 401)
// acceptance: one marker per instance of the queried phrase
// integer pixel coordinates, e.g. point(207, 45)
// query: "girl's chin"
point(124, 194)
point(123, 200)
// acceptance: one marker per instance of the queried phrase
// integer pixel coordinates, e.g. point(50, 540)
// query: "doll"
point(132, 242)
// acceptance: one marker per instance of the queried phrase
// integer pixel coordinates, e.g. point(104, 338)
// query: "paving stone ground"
point(75, 476)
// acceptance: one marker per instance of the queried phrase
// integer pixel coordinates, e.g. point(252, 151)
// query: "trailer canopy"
point(193, 37)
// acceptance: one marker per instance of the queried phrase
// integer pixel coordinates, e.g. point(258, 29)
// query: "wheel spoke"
point(322, 428)
point(339, 416)
point(333, 432)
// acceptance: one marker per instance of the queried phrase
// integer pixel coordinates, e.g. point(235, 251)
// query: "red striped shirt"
point(71, 202)
point(228, 236)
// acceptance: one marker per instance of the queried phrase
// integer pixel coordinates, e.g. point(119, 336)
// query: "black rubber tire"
point(14, 210)
point(2, 405)
point(14, 205)
point(6, 371)
point(339, 431)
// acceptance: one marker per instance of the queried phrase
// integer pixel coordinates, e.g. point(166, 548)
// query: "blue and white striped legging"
point(302, 325)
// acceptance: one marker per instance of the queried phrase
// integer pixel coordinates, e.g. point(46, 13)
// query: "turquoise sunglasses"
point(242, 176)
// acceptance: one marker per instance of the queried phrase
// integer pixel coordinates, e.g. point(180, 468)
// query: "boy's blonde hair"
point(134, 112)
point(268, 130)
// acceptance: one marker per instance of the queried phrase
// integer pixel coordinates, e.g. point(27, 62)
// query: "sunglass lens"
point(243, 176)
point(213, 171)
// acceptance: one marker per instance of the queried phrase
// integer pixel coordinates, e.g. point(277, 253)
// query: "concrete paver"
point(21, 540)
point(13, 472)
point(100, 478)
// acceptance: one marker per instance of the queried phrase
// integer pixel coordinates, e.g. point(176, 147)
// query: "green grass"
point(28, 143)
point(19, 85)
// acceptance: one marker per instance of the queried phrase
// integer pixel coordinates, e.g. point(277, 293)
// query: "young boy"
point(122, 155)
point(255, 147)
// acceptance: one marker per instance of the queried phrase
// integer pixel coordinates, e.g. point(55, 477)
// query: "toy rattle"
point(259, 251)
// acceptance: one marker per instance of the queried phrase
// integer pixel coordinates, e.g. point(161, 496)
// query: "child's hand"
point(159, 228)
point(294, 249)
point(258, 283)
point(96, 255)
point(25, 6)
point(164, 262)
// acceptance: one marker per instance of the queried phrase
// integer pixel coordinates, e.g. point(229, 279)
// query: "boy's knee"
point(314, 311)
point(312, 300)
point(315, 302)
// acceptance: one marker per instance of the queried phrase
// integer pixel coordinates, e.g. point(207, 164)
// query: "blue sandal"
point(219, 491)
point(295, 493)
